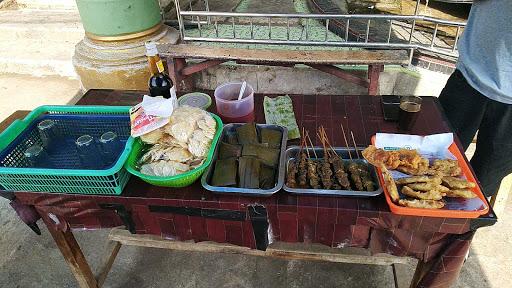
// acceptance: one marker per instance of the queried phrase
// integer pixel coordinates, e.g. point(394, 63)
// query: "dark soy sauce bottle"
point(159, 83)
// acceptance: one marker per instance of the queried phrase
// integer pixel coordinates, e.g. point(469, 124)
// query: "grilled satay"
point(325, 167)
point(355, 176)
point(290, 176)
point(302, 169)
point(365, 177)
point(325, 174)
point(313, 175)
point(339, 172)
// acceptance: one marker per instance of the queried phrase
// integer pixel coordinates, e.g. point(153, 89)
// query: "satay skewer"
point(346, 142)
point(311, 143)
point(355, 145)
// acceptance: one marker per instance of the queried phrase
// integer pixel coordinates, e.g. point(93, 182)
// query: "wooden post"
point(176, 66)
point(111, 251)
point(373, 76)
point(73, 255)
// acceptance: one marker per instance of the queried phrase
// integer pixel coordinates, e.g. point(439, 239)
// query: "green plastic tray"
point(109, 181)
point(181, 180)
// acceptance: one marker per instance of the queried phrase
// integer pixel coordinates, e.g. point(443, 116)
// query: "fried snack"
point(418, 179)
point(390, 184)
point(457, 183)
point(421, 169)
point(427, 204)
point(445, 167)
point(406, 159)
point(427, 186)
point(429, 195)
point(461, 193)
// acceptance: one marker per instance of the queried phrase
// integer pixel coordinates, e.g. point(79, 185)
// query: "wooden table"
point(192, 213)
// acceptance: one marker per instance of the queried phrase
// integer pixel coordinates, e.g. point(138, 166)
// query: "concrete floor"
point(25, 92)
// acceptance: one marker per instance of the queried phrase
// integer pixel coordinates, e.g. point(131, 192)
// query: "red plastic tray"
point(455, 207)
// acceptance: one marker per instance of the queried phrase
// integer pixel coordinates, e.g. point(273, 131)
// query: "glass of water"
point(36, 157)
point(49, 134)
point(110, 146)
point(88, 152)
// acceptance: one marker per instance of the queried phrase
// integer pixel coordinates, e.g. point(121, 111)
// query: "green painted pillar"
point(110, 18)
point(112, 54)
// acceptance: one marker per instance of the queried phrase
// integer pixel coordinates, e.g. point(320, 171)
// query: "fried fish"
point(427, 186)
point(445, 167)
point(418, 179)
point(457, 183)
point(390, 184)
point(461, 193)
point(428, 204)
point(429, 195)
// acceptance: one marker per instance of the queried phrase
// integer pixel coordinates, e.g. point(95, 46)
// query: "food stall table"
point(193, 213)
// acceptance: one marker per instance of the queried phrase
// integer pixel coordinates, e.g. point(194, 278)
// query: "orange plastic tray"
point(455, 207)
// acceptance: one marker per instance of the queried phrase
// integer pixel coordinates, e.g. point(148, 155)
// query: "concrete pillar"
point(112, 53)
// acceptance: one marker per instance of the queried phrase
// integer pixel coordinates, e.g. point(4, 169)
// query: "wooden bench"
point(323, 60)
point(119, 237)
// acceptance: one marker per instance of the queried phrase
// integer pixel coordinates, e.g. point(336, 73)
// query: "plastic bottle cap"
point(195, 99)
point(151, 48)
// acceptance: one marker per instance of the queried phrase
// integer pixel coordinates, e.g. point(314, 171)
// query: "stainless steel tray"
point(230, 128)
point(292, 152)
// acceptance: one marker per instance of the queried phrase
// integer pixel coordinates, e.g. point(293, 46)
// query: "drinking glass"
point(49, 134)
point(36, 157)
point(410, 107)
point(110, 146)
point(88, 152)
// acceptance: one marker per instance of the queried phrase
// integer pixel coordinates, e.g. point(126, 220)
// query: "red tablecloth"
point(192, 213)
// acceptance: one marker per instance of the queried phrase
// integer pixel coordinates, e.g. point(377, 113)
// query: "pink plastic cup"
point(229, 108)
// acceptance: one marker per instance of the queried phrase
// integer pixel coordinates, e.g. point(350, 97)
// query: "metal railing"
point(403, 31)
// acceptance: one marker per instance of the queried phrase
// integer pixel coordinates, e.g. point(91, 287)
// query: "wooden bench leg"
point(176, 66)
point(373, 77)
point(111, 251)
point(74, 257)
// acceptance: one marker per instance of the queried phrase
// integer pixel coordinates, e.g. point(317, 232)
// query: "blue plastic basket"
point(66, 175)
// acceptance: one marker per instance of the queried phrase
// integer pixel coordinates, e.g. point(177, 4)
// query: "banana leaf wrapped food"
point(268, 156)
point(271, 137)
point(249, 172)
point(246, 162)
point(227, 150)
point(224, 173)
point(267, 177)
point(247, 134)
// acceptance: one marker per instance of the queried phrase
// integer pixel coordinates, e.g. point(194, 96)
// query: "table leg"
point(110, 255)
point(73, 255)
point(421, 269)
point(373, 76)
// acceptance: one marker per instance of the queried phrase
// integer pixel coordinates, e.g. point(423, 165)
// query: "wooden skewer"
point(306, 144)
point(355, 145)
point(346, 142)
point(325, 141)
point(311, 142)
